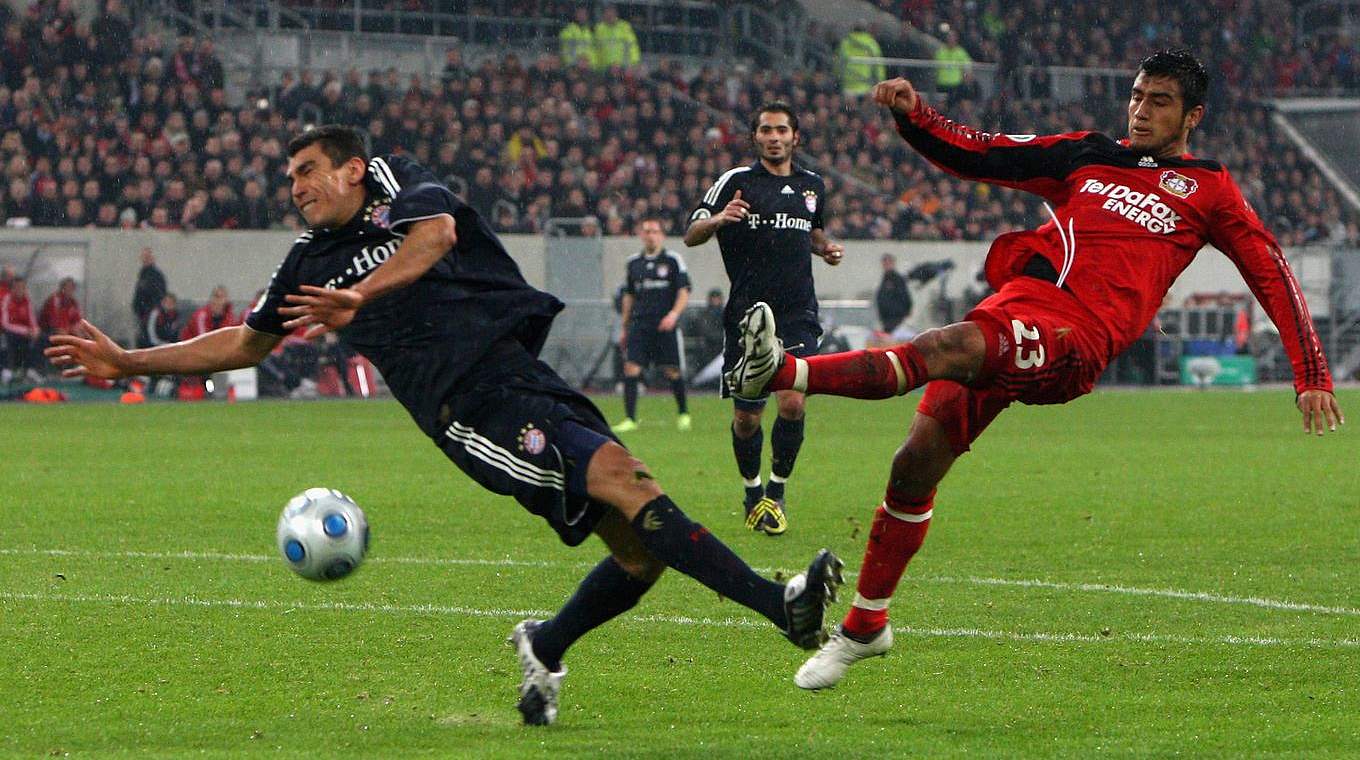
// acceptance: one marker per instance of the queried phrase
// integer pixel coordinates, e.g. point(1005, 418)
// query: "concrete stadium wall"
point(243, 261)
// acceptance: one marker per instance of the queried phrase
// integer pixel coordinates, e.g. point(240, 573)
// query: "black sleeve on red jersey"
point(1237, 231)
point(1035, 163)
point(264, 314)
point(417, 194)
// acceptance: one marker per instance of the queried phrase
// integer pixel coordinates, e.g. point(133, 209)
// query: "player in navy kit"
point(768, 219)
point(655, 292)
point(415, 280)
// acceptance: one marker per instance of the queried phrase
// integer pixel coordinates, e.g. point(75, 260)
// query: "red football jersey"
point(202, 321)
point(1124, 225)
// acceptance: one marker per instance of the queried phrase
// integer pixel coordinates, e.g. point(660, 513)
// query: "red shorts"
point(1043, 347)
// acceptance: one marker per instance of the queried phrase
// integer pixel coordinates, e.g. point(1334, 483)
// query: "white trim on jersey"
point(482, 448)
point(711, 196)
point(383, 173)
point(680, 260)
point(407, 220)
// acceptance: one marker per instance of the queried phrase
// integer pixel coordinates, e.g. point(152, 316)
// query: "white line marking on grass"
point(1169, 593)
point(1107, 588)
point(701, 622)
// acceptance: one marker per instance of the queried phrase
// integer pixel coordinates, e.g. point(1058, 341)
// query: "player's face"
point(651, 236)
point(1158, 122)
point(325, 194)
point(775, 137)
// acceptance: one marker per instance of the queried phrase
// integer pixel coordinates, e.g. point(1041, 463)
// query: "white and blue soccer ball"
point(322, 535)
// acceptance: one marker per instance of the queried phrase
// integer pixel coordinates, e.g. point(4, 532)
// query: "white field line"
point(1166, 593)
point(727, 622)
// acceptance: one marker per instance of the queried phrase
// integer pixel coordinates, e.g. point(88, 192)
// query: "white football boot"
point(826, 668)
point(538, 690)
point(762, 353)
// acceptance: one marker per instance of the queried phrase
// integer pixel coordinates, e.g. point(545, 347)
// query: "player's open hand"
point(87, 351)
point(1320, 410)
point(897, 94)
point(833, 254)
point(735, 210)
point(321, 310)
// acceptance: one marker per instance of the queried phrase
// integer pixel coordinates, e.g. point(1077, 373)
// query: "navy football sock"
point(605, 593)
point(688, 547)
point(785, 440)
point(630, 385)
point(678, 390)
point(747, 451)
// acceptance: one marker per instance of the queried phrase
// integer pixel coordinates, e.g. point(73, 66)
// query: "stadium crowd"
point(100, 127)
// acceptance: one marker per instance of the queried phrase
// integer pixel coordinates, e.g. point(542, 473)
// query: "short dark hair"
point(774, 106)
point(1182, 66)
point(339, 142)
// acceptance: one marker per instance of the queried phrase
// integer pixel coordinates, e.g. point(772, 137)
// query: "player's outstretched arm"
point(90, 352)
point(1320, 411)
point(322, 310)
point(700, 230)
point(897, 94)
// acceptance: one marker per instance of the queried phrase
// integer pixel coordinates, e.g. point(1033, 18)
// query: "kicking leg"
point(617, 478)
point(948, 419)
point(955, 352)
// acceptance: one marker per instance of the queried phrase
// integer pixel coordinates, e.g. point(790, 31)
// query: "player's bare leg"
point(899, 529)
point(953, 352)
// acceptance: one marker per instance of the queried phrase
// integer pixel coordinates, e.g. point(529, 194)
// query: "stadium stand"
point(99, 131)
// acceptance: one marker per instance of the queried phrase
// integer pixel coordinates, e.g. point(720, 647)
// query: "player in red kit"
point(1127, 217)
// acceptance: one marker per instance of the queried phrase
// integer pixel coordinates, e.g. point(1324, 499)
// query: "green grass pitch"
point(1135, 573)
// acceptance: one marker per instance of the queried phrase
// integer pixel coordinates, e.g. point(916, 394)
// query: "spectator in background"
point(213, 315)
point(162, 325)
point(576, 42)
point(950, 76)
point(615, 42)
point(705, 327)
point(892, 300)
point(20, 327)
point(858, 78)
point(61, 311)
point(148, 292)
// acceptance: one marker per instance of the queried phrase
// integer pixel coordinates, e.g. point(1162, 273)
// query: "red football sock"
point(873, 373)
point(899, 529)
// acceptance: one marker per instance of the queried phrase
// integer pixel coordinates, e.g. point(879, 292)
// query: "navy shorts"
point(801, 333)
point(519, 430)
point(650, 346)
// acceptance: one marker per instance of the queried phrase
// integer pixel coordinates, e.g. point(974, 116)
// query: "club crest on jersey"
point(810, 200)
point(532, 440)
point(662, 270)
point(380, 215)
point(1178, 184)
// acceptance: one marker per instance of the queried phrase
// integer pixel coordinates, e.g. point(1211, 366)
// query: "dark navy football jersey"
point(655, 282)
point(768, 256)
point(424, 337)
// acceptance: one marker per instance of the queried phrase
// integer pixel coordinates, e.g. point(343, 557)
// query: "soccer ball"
point(322, 534)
